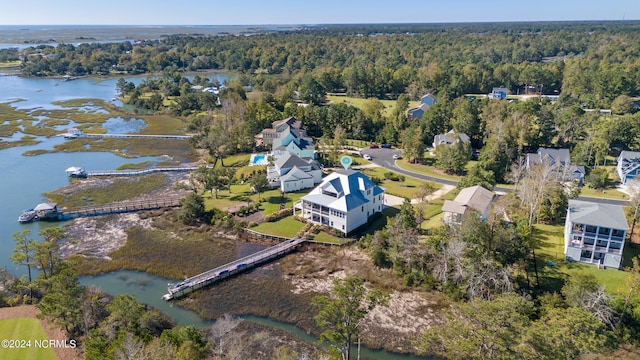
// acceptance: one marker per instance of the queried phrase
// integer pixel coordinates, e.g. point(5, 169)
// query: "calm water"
point(25, 178)
point(148, 289)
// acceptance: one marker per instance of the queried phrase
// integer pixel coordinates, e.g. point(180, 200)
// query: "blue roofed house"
point(426, 101)
point(416, 113)
point(594, 233)
point(344, 200)
point(292, 173)
point(498, 93)
point(628, 165)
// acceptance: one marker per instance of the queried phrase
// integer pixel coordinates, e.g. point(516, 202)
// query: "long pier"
point(140, 172)
point(113, 208)
point(222, 272)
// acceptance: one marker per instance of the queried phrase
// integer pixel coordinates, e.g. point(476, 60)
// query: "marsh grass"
point(118, 190)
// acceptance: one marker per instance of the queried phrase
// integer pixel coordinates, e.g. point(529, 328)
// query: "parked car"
point(367, 157)
point(386, 146)
point(396, 156)
point(374, 146)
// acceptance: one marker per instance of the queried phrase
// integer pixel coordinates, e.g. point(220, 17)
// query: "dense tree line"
point(385, 62)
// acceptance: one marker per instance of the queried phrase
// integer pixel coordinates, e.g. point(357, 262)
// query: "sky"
point(261, 12)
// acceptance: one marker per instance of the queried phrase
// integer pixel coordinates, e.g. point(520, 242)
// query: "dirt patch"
point(99, 236)
point(394, 327)
point(53, 333)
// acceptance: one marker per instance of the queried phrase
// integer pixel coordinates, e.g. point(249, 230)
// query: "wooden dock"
point(113, 208)
point(222, 272)
point(140, 172)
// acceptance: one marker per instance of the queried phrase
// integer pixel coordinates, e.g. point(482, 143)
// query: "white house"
point(594, 233)
point(293, 173)
point(344, 201)
point(287, 135)
point(628, 165)
point(450, 138)
point(476, 198)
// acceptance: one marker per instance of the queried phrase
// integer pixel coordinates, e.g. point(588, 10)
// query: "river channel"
point(25, 178)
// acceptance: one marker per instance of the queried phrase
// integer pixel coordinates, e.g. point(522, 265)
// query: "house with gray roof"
point(287, 135)
point(344, 200)
point(450, 138)
point(474, 198)
point(559, 160)
point(594, 233)
point(292, 173)
point(628, 165)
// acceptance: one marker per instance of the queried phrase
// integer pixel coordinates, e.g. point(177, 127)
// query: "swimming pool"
point(258, 160)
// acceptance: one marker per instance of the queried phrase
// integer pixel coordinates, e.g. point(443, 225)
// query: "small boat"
point(167, 297)
point(27, 216)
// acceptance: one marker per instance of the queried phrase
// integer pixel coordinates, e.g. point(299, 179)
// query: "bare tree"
point(131, 348)
point(222, 329)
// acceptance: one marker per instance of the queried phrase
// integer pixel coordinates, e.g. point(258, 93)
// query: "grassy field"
point(28, 329)
point(389, 105)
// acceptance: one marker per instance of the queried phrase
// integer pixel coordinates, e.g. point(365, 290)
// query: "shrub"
point(279, 215)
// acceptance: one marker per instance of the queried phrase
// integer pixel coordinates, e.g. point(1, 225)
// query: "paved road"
point(384, 158)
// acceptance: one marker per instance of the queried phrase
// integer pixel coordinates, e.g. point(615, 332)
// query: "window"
point(342, 227)
point(369, 192)
point(332, 224)
point(362, 208)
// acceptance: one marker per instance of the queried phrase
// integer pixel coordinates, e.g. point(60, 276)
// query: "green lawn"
point(610, 193)
point(389, 105)
point(549, 244)
point(285, 227)
point(27, 329)
point(406, 189)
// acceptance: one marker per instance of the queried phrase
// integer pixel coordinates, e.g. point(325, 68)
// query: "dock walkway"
point(120, 207)
point(140, 172)
point(211, 276)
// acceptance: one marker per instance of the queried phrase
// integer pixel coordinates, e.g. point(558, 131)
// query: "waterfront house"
point(475, 198)
point(292, 173)
point(498, 93)
point(287, 135)
point(628, 165)
point(559, 160)
point(449, 138)
point(594, 233)
point(344, 200)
